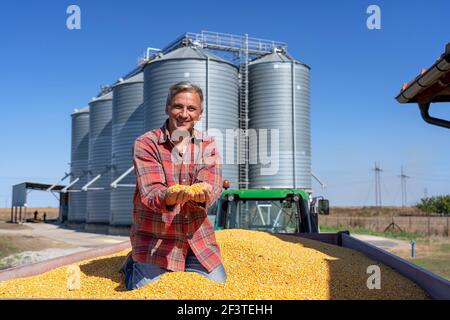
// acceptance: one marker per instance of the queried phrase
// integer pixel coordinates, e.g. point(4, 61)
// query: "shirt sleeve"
point(209, 171)
point(150, 178)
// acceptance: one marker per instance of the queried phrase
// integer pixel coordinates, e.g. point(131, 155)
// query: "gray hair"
point(184, 86)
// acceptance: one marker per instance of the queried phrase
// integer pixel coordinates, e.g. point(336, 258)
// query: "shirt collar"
point(164, 136)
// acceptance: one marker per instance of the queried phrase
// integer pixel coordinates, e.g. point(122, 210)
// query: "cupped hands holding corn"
point(180, 194)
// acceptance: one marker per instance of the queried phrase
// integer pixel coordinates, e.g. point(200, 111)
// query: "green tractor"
point(271, 210)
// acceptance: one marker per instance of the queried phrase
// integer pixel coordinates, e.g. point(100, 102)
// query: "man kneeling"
point(171, 230)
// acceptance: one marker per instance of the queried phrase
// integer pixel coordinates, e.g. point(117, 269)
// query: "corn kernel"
point(195, 188)
point(259, 265)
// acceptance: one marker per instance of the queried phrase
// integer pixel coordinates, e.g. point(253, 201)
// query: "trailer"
point(293, 212)
point(435, 286)
point(278, 211)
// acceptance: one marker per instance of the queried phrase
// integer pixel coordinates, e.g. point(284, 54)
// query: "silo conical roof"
point(277, 56)
point(139, 77)
point(105, 96)
point(190, 52)
point(83, 110)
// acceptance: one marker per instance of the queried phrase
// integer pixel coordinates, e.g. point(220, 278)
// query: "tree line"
point(437, 204)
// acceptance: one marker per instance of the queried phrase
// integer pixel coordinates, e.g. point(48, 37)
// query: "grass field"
point(431, 253)
point(388, 234)
point(376, 211)
point(52, 213)
point(437, 262)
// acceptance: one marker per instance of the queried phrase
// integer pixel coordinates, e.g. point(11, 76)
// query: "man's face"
point(184, 111)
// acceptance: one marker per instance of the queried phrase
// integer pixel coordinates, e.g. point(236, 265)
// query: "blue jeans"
point(139, 274)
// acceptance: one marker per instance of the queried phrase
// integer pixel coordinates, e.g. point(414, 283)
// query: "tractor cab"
point(272, 210)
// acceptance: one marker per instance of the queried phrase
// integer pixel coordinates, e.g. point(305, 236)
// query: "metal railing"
point(226, 42)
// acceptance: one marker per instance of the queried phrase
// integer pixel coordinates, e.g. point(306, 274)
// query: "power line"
point(422, 173)
point(403, 178)
point(368, 193)
point(386, 189)
point(395, 197)
point(377, 170)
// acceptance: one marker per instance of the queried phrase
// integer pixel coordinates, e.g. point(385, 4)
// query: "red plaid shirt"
point(162, 235)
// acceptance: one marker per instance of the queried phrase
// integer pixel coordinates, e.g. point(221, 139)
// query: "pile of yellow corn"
point(195, 188)
point(258, 265)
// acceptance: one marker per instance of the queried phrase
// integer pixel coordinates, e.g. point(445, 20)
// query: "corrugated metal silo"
point(219, 82)
point(279, 98)
point(79, 164)
point(100, 139)
point(127, 125)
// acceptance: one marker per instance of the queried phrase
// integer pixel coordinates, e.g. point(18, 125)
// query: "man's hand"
point(177, 197)
point(204, 195)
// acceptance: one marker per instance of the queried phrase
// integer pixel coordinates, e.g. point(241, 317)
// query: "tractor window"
point(212, 210)
point(218, 213)
point(273, 216)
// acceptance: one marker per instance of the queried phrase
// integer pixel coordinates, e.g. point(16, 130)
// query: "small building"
point(19, 199)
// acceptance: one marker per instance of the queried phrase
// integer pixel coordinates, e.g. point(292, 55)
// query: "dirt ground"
point(22, 244)
point(12, 244)
point(52, 213)
point(13, 226)
point(375, 211)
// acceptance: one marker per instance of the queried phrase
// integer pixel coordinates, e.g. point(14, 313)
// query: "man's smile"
point(182, 123)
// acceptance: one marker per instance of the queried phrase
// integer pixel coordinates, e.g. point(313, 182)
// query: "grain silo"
point(99, 176)
point(127, 125)
point(279, 99)
point(79, 164)
point(219, 82)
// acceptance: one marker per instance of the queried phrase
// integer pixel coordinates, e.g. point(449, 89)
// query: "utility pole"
point(425, 193)
point(377, 170)
point(403, 178)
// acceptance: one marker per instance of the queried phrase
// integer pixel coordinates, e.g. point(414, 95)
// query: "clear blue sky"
point(48, 70)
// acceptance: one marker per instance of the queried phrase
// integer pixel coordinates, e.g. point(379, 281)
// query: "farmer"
point(170, 229)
